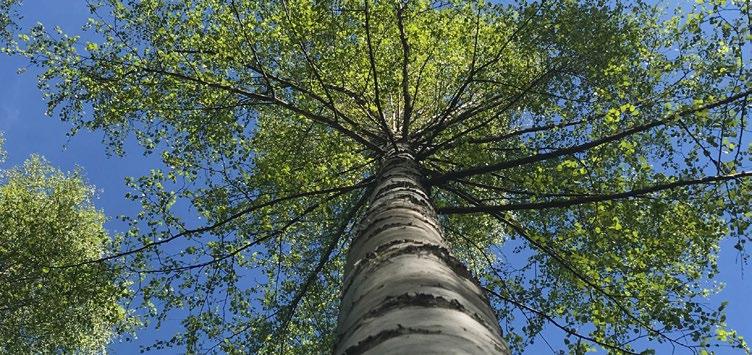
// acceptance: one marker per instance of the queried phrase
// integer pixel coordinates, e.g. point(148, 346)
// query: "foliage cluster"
point(48, 222)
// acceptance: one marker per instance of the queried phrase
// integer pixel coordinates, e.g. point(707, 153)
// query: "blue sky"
point(28, 131)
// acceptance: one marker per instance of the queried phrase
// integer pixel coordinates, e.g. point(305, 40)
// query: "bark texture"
point(404, 292)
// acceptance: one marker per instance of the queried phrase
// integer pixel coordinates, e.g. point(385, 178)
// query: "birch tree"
point(47, 222)
point(402, 176)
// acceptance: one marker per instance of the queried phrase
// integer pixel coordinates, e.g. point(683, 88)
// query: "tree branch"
point(269, 100)
point(590, 198)
point(372, 60)
point(338, 190)
point(522, 131)
point(405, 78)
point(458, 174)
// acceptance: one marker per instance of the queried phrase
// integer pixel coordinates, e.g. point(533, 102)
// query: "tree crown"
point(604, 142)
point(48, 222)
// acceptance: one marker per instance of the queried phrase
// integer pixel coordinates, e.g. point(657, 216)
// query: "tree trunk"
point(403, 292)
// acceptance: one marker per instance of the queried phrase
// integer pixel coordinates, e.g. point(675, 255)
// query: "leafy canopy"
point(602, 142)
point(47, 221)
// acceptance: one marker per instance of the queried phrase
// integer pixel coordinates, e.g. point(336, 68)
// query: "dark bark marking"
point(400, 186)
point(422, 300)
point(387, 251)
point(399, 196)
point(379, 338)
point(371, 229)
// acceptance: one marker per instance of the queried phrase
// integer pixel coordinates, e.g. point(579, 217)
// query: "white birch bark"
point(404, 292)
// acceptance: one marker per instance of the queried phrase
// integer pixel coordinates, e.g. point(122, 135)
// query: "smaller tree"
point(47, 220)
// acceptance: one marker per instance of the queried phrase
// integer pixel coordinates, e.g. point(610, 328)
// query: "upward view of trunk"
point(404, 292)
